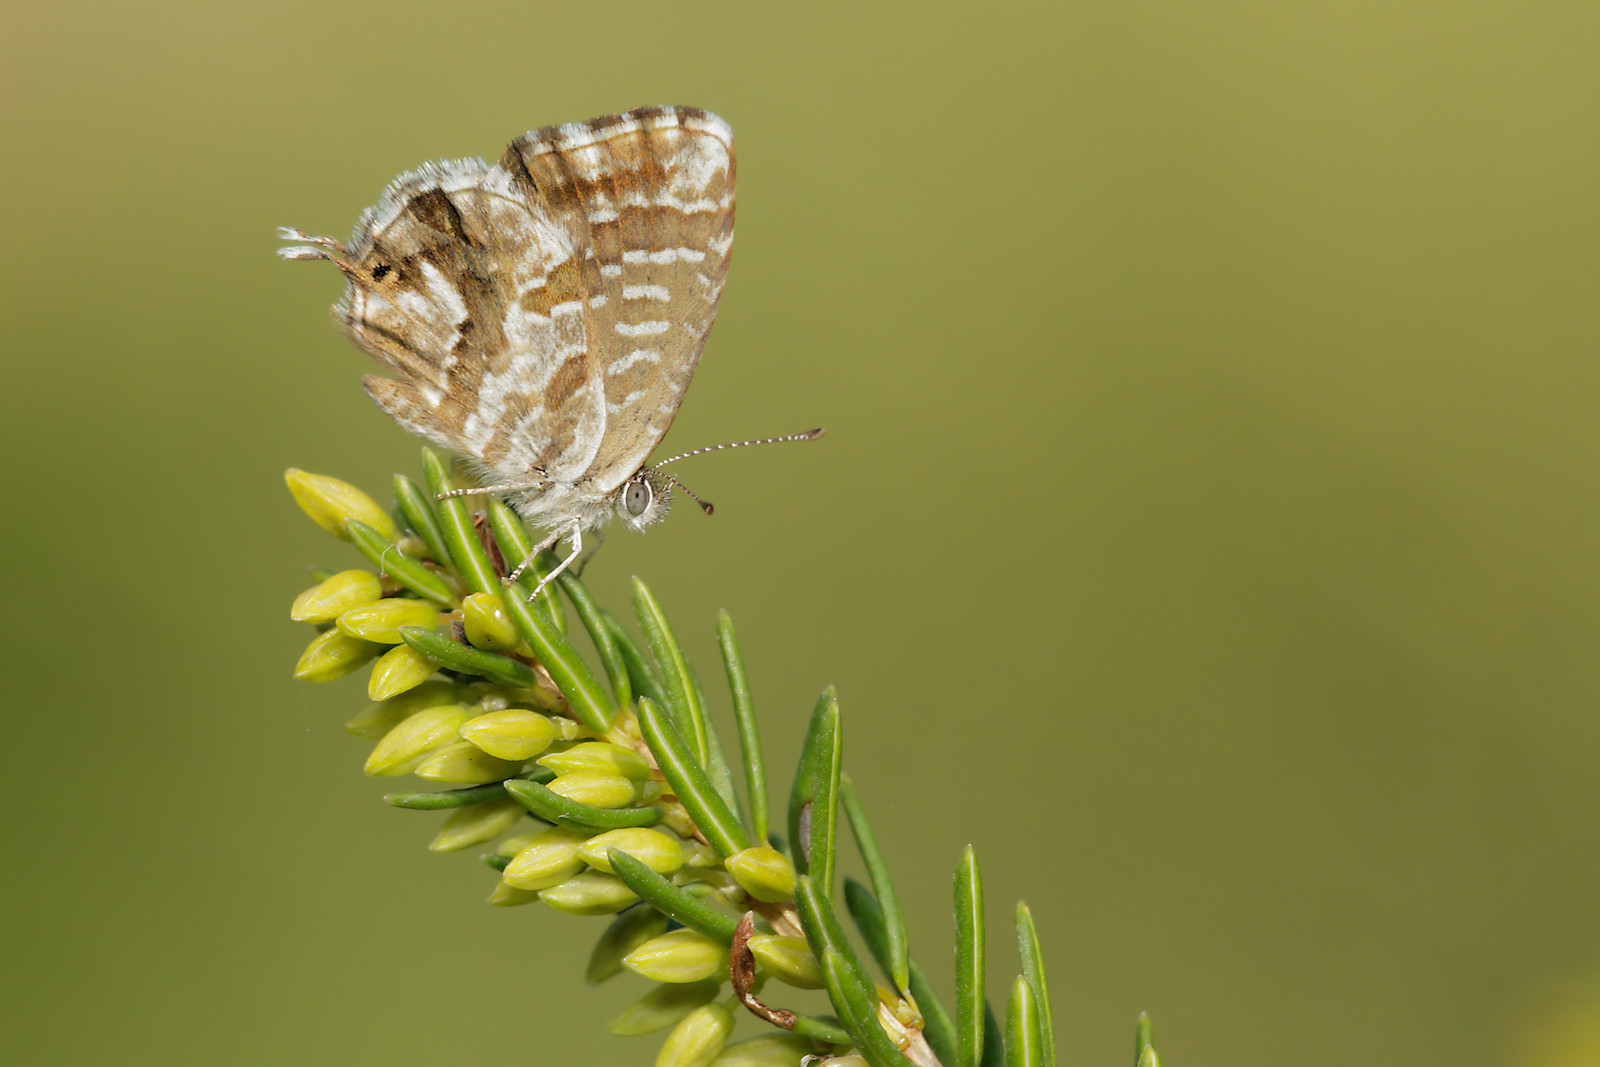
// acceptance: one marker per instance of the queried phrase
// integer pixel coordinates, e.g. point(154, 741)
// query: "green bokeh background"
point(1208, 527)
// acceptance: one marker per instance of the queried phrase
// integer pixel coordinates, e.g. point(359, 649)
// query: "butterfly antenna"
point(705, 505)
point(809, 435)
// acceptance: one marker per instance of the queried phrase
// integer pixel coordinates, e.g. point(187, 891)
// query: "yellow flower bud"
point(334, 596)
point(599, 757)
point(696, 1040)
point(767, 1050)
point(487, 624)
point(333, 654)
point(330, 502)
point(509, 896)
point(663, 1006)
point(548, 860)
point(590, 893)
point(464, 763)
point(409, 743)
point(679, 956)
point(514, 733)
point(377, 719)
point(763, 872)
point(788, 959)
point(475, 824)
point(397, 670)
point(382, 619)
point(656, 850)
point(595, 789)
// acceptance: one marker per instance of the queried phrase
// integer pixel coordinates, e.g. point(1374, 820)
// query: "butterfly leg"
point(532, 555)
point(599, 539)
point(574, 534)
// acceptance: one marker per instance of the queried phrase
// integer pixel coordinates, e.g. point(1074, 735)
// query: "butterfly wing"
point(545, 315)
point(471, 293)
point(653, 190)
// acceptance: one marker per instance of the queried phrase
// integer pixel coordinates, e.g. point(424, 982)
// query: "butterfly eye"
point(637, 498)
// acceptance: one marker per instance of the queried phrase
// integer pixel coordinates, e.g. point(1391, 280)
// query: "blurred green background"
point(1208, 527)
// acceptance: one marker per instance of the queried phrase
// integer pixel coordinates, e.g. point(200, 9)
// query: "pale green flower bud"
point(696, 1041)
point(487, 624)
point(627, 932)
point(375, 720)
point(548, 860)
point(768, 1050)
point(697, 855)
point(513, 734)
point(656, 850)
point(409, 743)
point(679, 956)
point(509, 896)
point(333, 654)
point(596, 789)
point(788, 959)
point(330, 502)
point(397, 670)
point(475, 824)
point(464, 763)
point(334, 596)
point(599, 757)
point(763, 872)
point(590, 893)
point(664, 1006)
point(382, 619)
point(516, 843)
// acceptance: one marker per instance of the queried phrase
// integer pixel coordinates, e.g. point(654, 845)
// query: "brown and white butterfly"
point(544, 315)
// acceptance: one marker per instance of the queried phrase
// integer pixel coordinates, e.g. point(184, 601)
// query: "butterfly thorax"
point(641, 501)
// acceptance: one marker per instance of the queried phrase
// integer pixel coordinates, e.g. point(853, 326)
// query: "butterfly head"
point(644, 499)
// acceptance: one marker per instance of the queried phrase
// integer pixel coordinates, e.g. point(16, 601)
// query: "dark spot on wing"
point(433, 209)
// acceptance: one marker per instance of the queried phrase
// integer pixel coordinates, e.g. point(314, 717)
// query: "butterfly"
point(543, 316)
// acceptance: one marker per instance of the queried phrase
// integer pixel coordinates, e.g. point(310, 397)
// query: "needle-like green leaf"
point(1143, 1038)
point(640, 674)
point(868, 917)
point(689, 782)
point(1024, 1045)
point(605, 644)
point(387, 557)
point(682, 699)
point(574, 814)
point(458, 657)
point(460, 798)
point(515, 546)
point(994, 1040)
point(755, 772)
point(849, 988)
point(449, 798)
point(969, 959)
point(1033, 971)
point(814, 799)
point(857, 1004)
point(672, 901)
point(455, 526)
point(420, 516)
point(899, 967)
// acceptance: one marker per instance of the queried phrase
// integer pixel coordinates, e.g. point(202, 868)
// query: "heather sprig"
point(609, 792)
